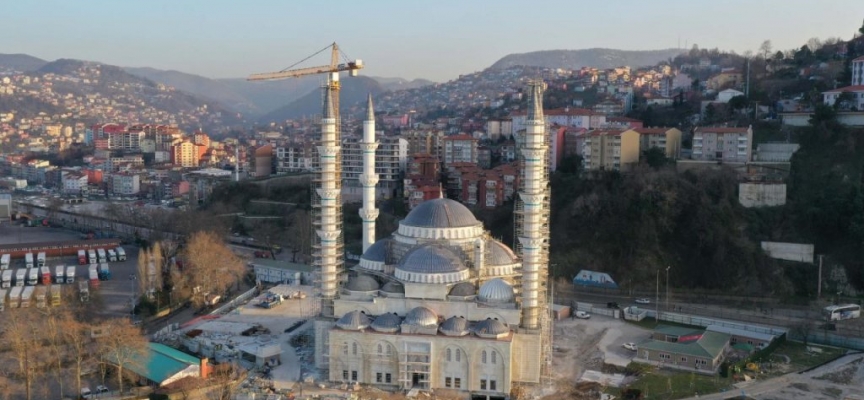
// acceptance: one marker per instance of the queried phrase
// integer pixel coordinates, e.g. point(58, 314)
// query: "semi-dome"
point(496, 291)
point(377, 251)
point(463, 289)
point(393, 287)
point(491, 328)
point(353, 321)
point(422, 317)
point(431, 259)
point(500, 254)
point(440, 213)
point(362, 283)
point(455, 326)
point(386, 323)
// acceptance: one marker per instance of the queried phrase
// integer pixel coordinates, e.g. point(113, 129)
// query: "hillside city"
point(692, 228)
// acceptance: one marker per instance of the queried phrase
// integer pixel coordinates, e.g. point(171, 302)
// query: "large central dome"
point(440, 213)
point(432, 263)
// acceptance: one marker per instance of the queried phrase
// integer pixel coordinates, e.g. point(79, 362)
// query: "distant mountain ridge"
point(595, 57)
point(21, 62)
point(394, 84)
point(353, 94)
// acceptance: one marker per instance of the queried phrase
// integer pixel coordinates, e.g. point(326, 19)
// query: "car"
point(102, 389)
point(631, 346)
point(643, 300)
point(612, 304)
point(85, 393)
point(582, 314)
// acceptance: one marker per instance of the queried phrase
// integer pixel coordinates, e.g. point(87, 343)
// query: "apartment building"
point(295, 158)
point(460, 148)
point(666, 139)
point(484, 188)
point(391, 159)
point(186, 154)
point(610, 149)
point(567, 116)
point(731, 145)
point(125, 183)
point(425, 142)
point(73, 182)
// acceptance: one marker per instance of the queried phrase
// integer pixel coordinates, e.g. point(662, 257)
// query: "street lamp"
point(132, 280)
point(667, 288)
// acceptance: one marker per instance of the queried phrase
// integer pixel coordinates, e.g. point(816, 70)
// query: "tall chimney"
point(533, 195)
point(237, 162)
point(368, 179)
point(328, 218)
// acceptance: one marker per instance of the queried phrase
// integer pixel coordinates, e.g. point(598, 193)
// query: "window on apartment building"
point(482, 384)
point(457, 383)
point(493, 385)
point(447, 382)
point(345, 374)
point(354, 376)
point(378, 377)
point(387, 378)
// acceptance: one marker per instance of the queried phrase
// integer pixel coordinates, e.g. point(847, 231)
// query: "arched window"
point(483, 357)
point(379, 348)
point(389, 350)
point(344, 347)
point(458, 355)
point(494, 360)
point(354, 348)
point(448, 354)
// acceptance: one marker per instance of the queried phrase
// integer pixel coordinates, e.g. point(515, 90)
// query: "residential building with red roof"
point(610, 149)
point(666, 139)
point(460, 148)
point(723, 144)
point(855, 103)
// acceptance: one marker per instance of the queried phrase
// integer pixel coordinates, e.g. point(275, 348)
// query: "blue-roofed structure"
point(595, 279)
point(162, 365)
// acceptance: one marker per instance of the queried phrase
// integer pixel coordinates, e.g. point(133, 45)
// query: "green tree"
point(655, 157)
point(571, 164)
point(823, 115)
point(861, 29)
point(738, 102)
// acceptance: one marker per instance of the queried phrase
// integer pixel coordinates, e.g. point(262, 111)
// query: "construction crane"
point(332, 70)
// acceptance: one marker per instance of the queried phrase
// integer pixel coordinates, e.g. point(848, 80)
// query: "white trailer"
point(3, 299)
point(41, 293)
point(32, 276)
point(112, 255)
point(70, 274)
point(40, 259)
point(20, 276)
point(60, 274)
point(102, 255)
point(28, 260)
point(91, 256)
point(15, 297)
point(5, 260)
point(6, 279)
point(27, 296)
point(121, 254)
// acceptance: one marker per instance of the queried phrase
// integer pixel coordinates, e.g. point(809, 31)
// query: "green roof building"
point(160, 365)
point(685, 348)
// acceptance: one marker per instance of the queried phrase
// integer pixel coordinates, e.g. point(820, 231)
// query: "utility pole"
point(667, 288)
point(657, 299)
point(819, 288)
point(747, 88)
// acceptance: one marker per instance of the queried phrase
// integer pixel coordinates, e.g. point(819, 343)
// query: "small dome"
point(353, 321)
point(393, 287)
point(362, 283)
point(496, 291)
point(440, 213)
point(377, 251)
point(463, 289)
point(500, 254)
point(431, 259)
point(421, 316)
point(455, 326)
point(491, 328)
point(386, 323)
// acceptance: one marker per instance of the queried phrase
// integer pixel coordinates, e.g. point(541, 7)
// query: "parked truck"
point(94, 276)
point(55, 294)
point(91, 256)
point(112, 255)
point(83, 291)
point(102, 256)
point(20, 276)
point(82, 257)
point(3, 299)
point(104, 272)
point(41, 294)
point(15, 297)
point(26, 296)
point(121, 254)
point(70, 274)
point(60, 274)
point(270, 300)
point(6, 279)
point(40, 259)
point(32, 276)
point(28, 260)
point(45, 274)
point(5, 260)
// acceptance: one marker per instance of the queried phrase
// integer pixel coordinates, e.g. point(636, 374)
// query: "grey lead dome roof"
point(377, 251)
point(499, 254)
point(490, 328)
point(440, 213)
point(353, 321)
point(386, 323)
point(455, 326)
point(421, 316)
point(496, 291)
point(431, 259)
point(393, 287)
point(463, 289)
point(362, 283)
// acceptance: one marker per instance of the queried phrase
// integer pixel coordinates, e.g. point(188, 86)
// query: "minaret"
point(368, 179)
point(533, 218)
point(328, 218)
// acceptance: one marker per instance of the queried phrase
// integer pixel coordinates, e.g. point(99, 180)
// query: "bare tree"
point(121, 344)
point(765, 49)
point(78, 342)
point(142, 269)
point(23, 335)
point(211, 267)
point(56, 341)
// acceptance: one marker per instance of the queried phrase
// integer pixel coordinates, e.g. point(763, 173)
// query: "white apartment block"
point(858, 71)
point(125, 184)
point(460, 148)
point(74, 182)
point(731, 145)
point(297, 158)
point(391, 159)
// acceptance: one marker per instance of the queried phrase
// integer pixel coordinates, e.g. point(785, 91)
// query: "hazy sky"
point(427, 39)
